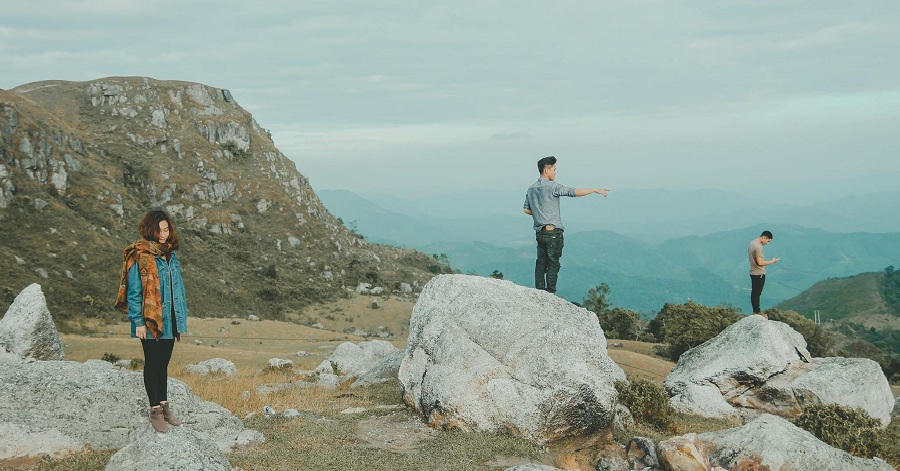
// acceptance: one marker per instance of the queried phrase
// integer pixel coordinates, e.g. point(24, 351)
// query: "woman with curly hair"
point(152, 294)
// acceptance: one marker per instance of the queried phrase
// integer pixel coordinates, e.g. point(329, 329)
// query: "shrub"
point(618, 323)
point(647, 401)
point(110, 357)
point(137, 363)
point(850, 429)
point(690, 324)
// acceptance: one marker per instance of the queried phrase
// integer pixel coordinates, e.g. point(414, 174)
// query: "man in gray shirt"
point(758, 269)
point(542, 203)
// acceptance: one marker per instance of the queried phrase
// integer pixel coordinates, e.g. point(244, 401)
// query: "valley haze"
point(650, 246)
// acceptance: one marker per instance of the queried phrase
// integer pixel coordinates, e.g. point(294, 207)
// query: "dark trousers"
point(756, 286)
point(549, 251)
point(157, 354)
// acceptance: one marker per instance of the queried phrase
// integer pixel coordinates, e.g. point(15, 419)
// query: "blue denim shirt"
point(171, 289)
point(542, 199)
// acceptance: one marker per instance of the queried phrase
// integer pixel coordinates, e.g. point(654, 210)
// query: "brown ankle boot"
point(168, 415)
point(157, 420)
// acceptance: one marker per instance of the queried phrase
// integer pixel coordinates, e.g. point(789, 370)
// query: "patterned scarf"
point(143, 253)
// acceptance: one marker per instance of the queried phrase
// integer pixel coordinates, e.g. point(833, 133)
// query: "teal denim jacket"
point(171, 289)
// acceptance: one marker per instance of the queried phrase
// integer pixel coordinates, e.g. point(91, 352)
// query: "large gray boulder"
point(27, 329)
point(354, 359)
point(774, 442)
point(179, 449)
point(213, 366)
point(65, 406)
point(360, 364)
point(486, 354)
point(383, 371)
point(756, 365)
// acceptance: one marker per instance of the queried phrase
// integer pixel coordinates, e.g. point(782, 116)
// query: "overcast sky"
point(794, 98)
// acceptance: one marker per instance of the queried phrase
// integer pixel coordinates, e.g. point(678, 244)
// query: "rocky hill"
point(80, 163)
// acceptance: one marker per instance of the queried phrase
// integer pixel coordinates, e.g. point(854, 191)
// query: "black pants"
point(549, 251)
point(157, 354)
point(756, 286)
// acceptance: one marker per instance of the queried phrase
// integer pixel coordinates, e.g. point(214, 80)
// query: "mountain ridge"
point(80, 162)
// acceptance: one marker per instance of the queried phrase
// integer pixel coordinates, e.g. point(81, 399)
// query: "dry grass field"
point(386, 436)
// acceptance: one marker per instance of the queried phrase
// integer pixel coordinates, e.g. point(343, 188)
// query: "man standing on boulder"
point(542, 203)
point(758, 269)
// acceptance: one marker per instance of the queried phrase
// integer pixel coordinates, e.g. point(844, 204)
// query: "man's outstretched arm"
point(587, 191)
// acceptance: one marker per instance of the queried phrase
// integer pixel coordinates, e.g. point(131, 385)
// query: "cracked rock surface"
point(486, 354)
point(756, 365)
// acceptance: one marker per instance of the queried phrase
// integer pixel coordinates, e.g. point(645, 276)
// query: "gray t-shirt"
point(755, 250)
point(542, 199)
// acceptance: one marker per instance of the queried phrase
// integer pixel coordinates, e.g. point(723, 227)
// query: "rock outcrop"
point(360, 364)
point(213, 366)
point(486, 354)
point(27, 329)
point(179, 449)
point(62, 406)
point(82, 161)
point(757, 365)
point(354, 359)
point(774, 442)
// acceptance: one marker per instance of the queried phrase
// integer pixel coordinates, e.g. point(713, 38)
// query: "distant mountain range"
point(699, 256)
point(648, 215)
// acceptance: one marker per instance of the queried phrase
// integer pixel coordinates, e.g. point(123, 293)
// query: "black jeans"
point(157, 354)
point(549, 251)
point(756, 286)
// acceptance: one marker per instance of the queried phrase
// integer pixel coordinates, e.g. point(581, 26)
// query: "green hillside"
point(862, 309)
point(853, 297)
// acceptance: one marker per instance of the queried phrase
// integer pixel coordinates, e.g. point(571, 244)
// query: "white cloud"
point(657, 89)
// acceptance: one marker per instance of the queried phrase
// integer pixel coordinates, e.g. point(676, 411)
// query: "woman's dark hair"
point(149, 228)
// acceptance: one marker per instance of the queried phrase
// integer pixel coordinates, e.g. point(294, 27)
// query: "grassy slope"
point(840, 298)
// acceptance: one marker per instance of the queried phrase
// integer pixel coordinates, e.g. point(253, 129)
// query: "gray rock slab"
point(27, 329)
point(98, 404)
point(179, 449)
point(383, 371)
point(774, 442)
point(213, 366)
point(354, 359)
point(760, 366)
point(487, 354)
